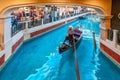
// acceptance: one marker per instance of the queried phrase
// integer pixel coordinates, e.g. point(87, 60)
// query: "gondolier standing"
point(72, 42)
point(70, 35)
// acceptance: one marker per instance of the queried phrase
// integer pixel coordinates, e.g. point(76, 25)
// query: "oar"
point(76, 60)
point(94, 39)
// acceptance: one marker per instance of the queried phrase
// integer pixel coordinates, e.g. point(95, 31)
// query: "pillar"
point(7, 38)
point(26, 32)
point(115, 38)
point(104, 26)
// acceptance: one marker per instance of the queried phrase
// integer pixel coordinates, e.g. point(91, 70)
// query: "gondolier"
point(73, 37)
point(70, 35)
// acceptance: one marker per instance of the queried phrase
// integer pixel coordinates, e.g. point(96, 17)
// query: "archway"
point(6, 13)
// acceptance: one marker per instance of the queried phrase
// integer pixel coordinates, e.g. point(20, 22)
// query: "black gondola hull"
point(69, 49)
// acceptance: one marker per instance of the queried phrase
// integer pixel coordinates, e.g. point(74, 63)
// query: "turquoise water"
point(38, 59)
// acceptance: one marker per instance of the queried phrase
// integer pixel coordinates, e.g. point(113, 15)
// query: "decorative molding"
point(106, 17)
point(103, 28)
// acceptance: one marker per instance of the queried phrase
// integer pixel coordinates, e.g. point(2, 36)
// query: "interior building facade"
point(21, 20)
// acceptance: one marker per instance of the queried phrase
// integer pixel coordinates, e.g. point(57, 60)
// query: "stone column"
point(115, 37)
point(7, 37)
point(105, 25)
point(42, 21)
point(26, 32)
point(102, 30)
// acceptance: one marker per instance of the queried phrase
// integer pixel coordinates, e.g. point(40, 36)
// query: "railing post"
point(52, 19)
point(26, 32)
point(42, 21)
point(115, 38)
point(26, 25)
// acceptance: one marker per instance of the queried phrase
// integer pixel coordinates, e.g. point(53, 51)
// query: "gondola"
point(66, 46)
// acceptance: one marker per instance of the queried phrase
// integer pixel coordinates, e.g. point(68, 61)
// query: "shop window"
point(110, 35)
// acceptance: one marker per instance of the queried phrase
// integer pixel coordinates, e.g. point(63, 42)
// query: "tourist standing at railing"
point(50, 17)
point(47, 16)
point(63, 14)
point(38, 17)
point(14, 24)
point(32, 18)
point(58, 13)
point(19, 16)
point(14, 21)
point(42, 14)
point(35, 20)
point(15, 18)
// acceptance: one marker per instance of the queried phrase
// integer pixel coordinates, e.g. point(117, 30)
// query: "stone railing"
point(112, 40)
point(18, 26)
point(113, 37)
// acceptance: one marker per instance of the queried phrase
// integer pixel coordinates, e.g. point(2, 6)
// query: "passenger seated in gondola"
point(77, 28)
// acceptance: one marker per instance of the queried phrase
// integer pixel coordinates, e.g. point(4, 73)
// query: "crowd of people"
point(21, 15)
point(47, 12)
point(40, 15)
